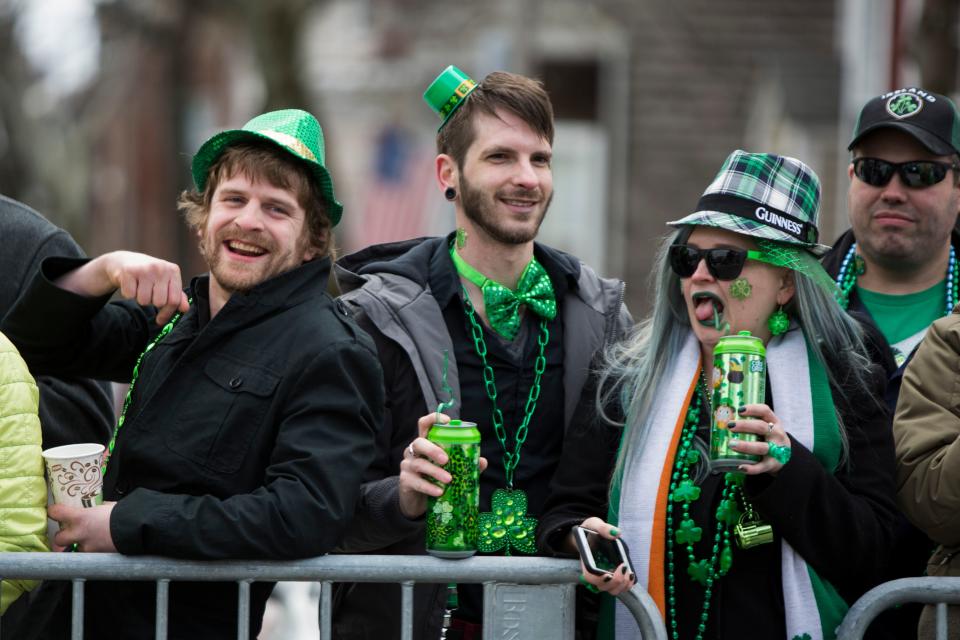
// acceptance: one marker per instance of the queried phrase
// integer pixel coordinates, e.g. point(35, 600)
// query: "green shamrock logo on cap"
point(904, 105)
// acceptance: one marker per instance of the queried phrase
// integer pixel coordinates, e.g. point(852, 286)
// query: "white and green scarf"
point(804, 405)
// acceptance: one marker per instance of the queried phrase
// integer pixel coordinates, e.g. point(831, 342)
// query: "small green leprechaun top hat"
point(448, 91)
point(292, 130)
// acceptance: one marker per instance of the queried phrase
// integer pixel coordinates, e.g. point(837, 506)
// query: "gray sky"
point(60, 38)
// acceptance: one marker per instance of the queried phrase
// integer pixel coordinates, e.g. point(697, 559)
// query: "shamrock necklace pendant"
point(507, 526)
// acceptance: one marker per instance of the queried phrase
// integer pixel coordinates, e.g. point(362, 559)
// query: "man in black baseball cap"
point(898, 263)
point(929, 117)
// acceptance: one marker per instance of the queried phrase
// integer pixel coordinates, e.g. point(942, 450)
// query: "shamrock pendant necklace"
point(507, 525)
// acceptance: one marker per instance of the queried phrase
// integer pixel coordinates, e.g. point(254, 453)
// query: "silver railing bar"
point(924, 590)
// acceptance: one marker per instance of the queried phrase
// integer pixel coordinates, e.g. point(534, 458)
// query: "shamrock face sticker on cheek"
point(741, 289)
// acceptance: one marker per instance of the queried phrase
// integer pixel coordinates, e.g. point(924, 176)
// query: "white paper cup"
point(73, 473)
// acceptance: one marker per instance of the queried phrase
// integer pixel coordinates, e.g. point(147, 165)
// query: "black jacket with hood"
point(400, 293)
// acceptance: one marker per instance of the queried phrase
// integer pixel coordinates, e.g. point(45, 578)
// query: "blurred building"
point(650, 97)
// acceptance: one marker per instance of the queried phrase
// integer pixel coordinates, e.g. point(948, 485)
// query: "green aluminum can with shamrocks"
point(739, 377)
point(452, 518)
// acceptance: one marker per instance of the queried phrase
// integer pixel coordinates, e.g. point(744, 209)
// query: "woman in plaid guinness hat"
point(782, 546)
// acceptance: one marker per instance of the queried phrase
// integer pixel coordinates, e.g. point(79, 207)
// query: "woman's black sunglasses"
point(723, 264)
point(916, 174)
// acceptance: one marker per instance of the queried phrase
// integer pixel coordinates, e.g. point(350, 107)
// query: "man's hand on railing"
point(88, 528)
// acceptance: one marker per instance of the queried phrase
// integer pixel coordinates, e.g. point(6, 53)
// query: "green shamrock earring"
point(778, 322)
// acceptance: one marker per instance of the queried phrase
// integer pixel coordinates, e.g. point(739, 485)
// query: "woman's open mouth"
point(708, 308)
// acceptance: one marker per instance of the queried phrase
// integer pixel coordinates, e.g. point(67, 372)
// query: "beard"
point(236, 277)
point(480, 209)
point(898, 249)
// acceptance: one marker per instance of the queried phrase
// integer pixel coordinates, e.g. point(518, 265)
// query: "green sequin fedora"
point(293, 130)
point(765, 196)
point(448, 91)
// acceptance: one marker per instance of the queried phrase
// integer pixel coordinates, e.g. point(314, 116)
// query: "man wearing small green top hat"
point(254, 400)
point(486, 302)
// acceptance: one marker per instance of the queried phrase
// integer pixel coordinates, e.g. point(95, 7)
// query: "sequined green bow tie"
point(503, 305)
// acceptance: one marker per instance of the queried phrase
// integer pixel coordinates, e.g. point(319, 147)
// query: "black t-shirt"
point(513, 367)
point(513, 364)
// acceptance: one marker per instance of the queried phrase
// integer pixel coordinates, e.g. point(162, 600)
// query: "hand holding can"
point(739, 378)
point(452, 517)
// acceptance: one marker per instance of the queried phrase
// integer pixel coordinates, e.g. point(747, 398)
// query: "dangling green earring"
point(778, 322)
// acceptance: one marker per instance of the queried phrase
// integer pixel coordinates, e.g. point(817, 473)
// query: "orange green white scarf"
point(813, 608)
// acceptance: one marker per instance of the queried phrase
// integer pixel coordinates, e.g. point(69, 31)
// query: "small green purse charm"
point(751, 531)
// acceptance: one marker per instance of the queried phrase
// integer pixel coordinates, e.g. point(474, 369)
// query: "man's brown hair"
point(522, 96)
point(264, 161)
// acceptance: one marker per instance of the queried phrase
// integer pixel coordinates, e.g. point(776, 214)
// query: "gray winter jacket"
point(72, 409)
point(387, 287)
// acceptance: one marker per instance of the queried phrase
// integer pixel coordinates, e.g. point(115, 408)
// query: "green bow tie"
point(503, 305)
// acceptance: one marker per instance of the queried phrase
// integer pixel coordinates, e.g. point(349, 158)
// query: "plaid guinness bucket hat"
point(765, 196)
point(292, 130)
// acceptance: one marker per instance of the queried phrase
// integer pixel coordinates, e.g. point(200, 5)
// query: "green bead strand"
point(721, 556)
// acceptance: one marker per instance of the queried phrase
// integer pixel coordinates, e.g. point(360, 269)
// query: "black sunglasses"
point(723, 264)
point(916, 174)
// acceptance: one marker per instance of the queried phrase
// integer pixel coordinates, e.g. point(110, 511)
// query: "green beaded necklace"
point(684, 491)
point(167, 328)
point(854, 266)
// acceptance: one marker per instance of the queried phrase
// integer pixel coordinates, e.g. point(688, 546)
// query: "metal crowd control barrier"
point(523, 597)
point(938, 591)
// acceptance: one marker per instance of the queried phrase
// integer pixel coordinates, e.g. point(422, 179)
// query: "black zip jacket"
point(246, 437)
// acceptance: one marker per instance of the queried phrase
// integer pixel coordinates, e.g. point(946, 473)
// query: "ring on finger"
point(769, 428)
point(779, 452)
point(411, 451)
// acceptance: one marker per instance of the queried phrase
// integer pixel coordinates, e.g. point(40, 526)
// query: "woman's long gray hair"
point(634, 369)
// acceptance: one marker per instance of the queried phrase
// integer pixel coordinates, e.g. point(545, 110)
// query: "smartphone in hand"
point(601, 556)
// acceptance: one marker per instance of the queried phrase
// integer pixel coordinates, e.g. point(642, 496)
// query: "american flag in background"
point(401, 201)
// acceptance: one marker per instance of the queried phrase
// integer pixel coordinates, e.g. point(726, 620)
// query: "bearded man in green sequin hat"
point(253, 402)
point(501, 307)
